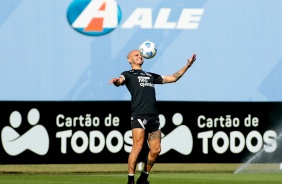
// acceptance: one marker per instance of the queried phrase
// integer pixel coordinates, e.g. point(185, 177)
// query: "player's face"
point(136, 58)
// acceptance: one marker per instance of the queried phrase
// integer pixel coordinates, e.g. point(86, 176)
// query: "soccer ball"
point(148, 49)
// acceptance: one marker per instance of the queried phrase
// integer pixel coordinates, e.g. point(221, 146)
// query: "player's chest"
point(142, 80)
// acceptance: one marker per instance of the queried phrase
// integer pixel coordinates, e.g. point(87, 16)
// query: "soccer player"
point(144, 114)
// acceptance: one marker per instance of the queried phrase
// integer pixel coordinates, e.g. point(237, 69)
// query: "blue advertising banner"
point(68, 50)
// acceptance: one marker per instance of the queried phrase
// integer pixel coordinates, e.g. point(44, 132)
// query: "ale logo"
point(94, 17)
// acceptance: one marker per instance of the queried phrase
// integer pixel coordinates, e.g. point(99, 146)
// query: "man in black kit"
point(144, 114)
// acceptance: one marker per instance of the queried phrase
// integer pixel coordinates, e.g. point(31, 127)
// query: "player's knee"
point(159, 150)
point(156, 151)
point(137, 148)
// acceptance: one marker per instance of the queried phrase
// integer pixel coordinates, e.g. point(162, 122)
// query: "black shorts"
point(149, 124)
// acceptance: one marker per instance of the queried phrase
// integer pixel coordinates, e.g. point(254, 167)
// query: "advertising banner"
point(99, 132)
point(68, 50)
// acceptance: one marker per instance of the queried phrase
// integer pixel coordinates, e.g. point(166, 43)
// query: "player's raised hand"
point(191, 60)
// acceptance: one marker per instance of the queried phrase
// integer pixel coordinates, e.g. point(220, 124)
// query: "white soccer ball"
point(148, 49)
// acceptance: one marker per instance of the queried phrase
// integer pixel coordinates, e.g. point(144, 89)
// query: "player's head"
point(134, 58)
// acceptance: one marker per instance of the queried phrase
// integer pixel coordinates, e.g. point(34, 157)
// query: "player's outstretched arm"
point(116, 81)
point(177, 75)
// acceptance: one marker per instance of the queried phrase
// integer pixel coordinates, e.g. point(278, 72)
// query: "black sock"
point(131, 177)
point(144, 175)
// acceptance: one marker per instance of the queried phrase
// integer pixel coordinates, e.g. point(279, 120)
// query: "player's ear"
point(129, 60)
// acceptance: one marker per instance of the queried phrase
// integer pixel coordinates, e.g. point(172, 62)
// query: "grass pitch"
point(157, 178)
point(116, 174)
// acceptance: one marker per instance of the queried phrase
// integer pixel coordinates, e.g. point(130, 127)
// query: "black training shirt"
point(140, 84)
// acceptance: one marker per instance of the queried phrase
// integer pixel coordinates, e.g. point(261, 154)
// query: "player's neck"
point(136, 67)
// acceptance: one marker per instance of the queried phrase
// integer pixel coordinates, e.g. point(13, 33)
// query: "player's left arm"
point(177, 75)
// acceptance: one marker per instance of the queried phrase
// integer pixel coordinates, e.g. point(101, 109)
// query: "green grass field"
point(157, 178)
point(116, 174)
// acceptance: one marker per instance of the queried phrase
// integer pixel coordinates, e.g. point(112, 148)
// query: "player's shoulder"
point(128, 71)
point(152, 74)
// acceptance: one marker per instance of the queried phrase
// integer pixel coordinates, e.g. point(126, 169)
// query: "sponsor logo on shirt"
point(145, 81)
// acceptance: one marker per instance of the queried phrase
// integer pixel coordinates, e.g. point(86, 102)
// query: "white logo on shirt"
point(144, 81)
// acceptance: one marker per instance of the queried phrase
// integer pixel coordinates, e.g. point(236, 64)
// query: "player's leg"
point(154, 140)
point(138, 136)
